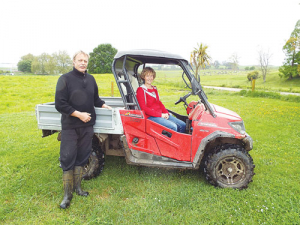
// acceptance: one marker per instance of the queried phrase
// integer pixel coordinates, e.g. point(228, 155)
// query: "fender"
point(205, 141)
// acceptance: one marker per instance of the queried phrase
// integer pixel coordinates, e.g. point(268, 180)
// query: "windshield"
point(197, 88)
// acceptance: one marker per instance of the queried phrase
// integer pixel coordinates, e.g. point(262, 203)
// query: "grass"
point(31, 186)
point(273, 82)
point(22, 93)
point(236, 80)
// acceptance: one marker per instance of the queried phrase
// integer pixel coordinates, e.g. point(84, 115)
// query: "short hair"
point(148, 70)
point(80, 52)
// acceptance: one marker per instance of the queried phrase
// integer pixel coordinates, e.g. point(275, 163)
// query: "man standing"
point(75, 98)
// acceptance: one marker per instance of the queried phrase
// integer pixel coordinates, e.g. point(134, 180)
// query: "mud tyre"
point(96, 162)
point(229, 166)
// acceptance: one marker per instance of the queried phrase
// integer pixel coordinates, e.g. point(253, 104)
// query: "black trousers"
point(75, 147)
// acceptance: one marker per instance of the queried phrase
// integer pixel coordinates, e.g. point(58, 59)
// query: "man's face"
point(81, 62)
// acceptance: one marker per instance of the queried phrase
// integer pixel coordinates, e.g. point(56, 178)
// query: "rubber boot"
point(78, 170)
point(68, 189)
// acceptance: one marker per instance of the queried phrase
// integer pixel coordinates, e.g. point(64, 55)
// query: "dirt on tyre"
point(96, 162)
point(229, 166)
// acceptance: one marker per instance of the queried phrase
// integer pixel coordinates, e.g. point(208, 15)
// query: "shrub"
point(252, 75)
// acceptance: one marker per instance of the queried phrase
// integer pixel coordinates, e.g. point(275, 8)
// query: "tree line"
point(60, 62)
point(56, 63)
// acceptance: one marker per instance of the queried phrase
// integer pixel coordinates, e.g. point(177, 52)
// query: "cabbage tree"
point(200, 59)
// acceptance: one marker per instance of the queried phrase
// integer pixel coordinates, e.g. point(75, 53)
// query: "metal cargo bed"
point(107, 121)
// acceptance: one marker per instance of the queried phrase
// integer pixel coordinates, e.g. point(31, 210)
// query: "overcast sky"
point(227, 27)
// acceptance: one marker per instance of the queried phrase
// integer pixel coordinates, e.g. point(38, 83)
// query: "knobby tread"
point(228, 150)
point(96, 162)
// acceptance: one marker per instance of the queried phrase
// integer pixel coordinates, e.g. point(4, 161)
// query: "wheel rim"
point(230, 170)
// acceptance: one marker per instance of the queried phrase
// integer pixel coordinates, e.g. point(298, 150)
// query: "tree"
point(252, 75)
point(28, 57)
point(216, 64)
point(234, 59)
point(291, 66)
point(24, 64)
point(50, 65)
point(101, 59)
point(63, 62)
point(200, 59)
point(264, 60)
point(228, 65)
point(43, 64)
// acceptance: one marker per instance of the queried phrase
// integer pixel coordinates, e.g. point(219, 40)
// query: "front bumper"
point(248, 142)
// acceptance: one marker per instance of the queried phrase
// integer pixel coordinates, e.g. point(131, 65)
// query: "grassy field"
point(238, 80)
point(31, 185)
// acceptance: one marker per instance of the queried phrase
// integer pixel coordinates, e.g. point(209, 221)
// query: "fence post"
point(253, 84)
point(112, 89)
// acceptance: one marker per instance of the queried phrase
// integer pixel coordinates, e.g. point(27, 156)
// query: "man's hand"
point(106, 106)
point(83, 116)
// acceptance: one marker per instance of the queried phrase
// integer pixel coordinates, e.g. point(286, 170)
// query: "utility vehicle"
point(215, 137)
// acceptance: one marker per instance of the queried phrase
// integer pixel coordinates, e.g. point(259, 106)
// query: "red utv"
point(215, 137)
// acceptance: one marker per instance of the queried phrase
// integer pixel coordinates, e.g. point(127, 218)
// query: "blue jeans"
point(172, 123)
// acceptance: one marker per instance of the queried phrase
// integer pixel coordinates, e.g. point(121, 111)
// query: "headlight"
point(238, 126)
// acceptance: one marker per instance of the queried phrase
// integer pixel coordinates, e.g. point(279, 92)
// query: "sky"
point(241, 27)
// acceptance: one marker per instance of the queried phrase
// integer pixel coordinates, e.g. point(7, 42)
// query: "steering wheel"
point(183, 99)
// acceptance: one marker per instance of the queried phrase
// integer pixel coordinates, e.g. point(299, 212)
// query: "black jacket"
point(76, 91)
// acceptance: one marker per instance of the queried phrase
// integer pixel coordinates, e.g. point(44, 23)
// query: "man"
point(75, 98)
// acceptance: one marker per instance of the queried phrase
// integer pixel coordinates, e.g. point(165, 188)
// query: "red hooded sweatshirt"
point(149, 101)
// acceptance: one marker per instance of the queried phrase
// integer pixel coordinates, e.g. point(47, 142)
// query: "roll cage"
point(125, 69)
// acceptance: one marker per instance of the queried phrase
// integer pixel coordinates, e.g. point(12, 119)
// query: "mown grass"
point(31, 186)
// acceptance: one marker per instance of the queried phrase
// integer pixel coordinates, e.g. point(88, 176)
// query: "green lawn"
point(31, 185)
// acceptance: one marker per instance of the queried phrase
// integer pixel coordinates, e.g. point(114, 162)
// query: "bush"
point(252, 75)
point(287, 71)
